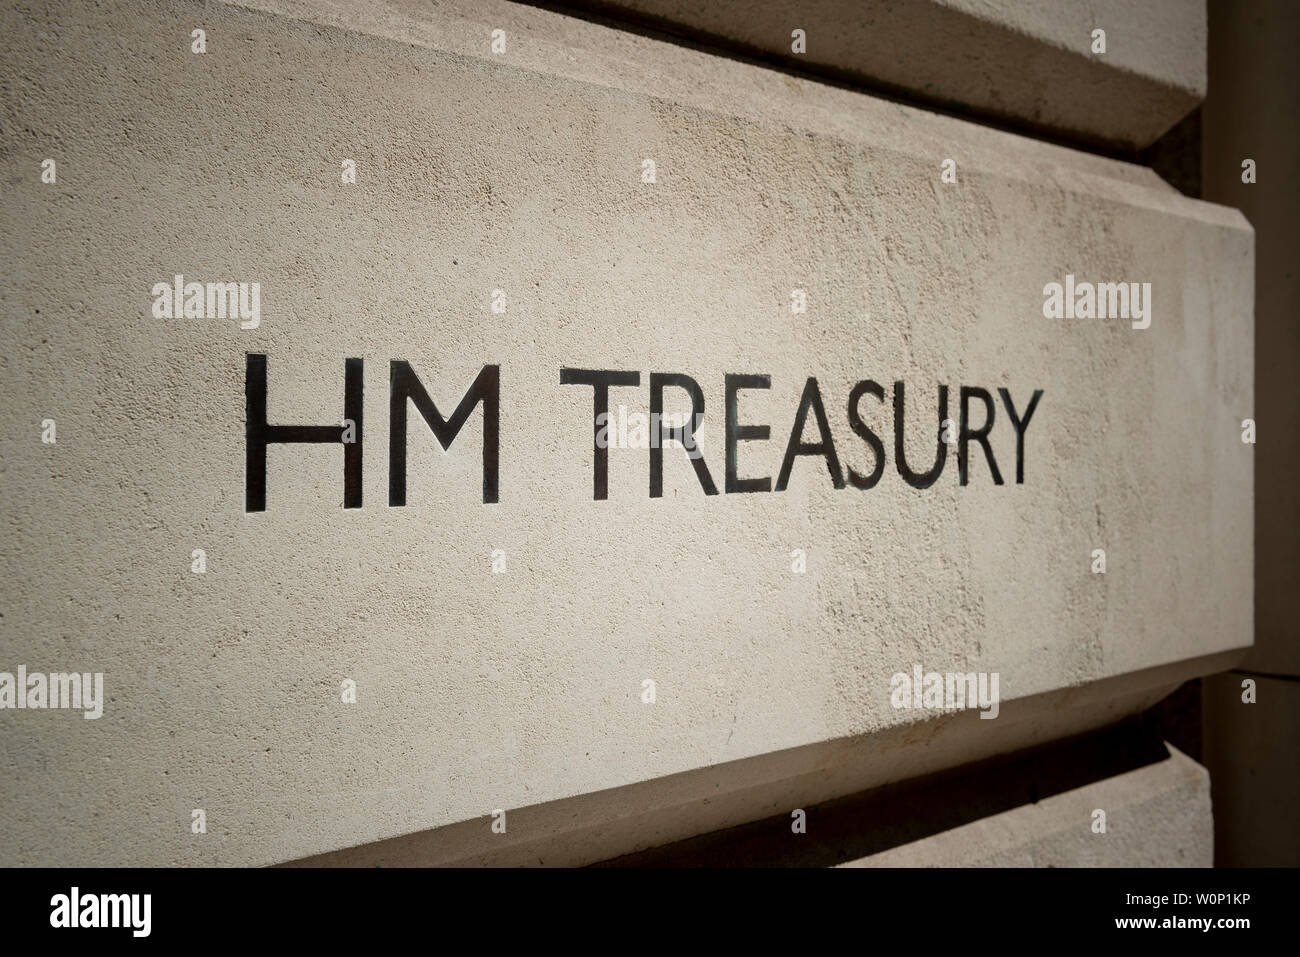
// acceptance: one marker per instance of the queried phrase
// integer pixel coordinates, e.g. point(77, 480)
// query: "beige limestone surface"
point(1035, 63)
point(523, 172)
point(1154, 816)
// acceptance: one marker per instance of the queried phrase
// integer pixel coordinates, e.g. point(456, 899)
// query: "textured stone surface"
point(1156, 816)
point(522, 172)
point(738, 813)
point(1027, 62)
point(1251, 115)
point(1037, 810)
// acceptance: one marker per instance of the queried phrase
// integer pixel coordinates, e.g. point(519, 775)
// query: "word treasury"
point(859, 461)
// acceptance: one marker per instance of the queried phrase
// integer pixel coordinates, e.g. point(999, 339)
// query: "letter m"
point(119, 905)
point(404, 385)
point(223, 300)
point(1116, 299)
point(66, 689)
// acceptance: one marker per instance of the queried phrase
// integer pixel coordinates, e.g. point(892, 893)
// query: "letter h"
point(260, 434)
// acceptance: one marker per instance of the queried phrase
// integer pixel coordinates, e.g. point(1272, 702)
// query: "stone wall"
point(395, 647)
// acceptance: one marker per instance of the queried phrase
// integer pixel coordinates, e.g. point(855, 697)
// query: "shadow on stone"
point(864, 824)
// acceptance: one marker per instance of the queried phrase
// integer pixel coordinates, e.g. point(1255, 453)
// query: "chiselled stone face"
point(306, 352)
